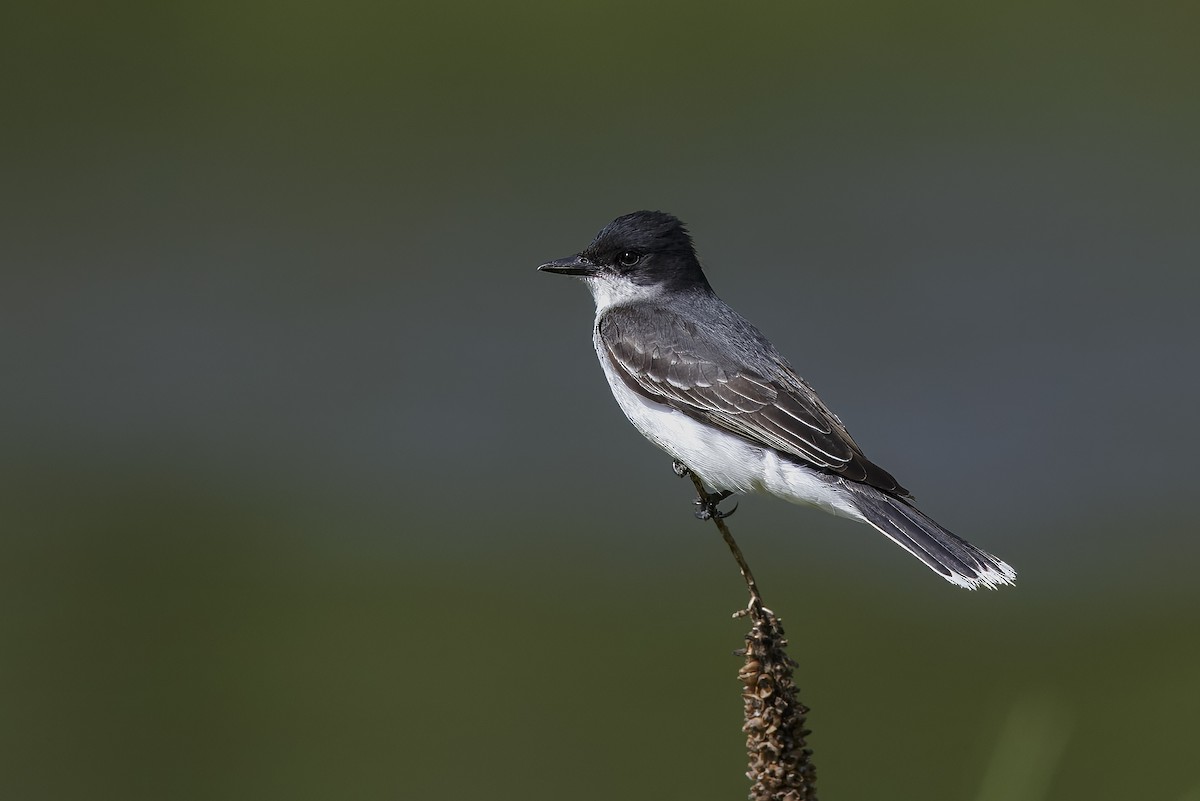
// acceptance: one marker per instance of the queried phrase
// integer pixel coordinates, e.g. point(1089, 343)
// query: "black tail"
point(951, 557)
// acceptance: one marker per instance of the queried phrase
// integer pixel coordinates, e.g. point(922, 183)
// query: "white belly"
point(722, 460)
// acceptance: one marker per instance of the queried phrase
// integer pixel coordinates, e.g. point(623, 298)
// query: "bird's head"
point(635, 257)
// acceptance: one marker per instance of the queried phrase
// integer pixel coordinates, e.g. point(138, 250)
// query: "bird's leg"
point(708, 505)
point(706, 501)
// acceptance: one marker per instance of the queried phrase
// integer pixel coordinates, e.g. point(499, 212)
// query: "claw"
point(708, 506)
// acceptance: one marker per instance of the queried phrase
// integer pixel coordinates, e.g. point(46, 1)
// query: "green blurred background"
point(313, 489)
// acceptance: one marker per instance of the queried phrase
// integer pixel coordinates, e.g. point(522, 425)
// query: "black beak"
point(571, 265)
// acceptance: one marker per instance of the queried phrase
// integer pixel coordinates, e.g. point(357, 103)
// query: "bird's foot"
point(708, 506)
point(707, 502)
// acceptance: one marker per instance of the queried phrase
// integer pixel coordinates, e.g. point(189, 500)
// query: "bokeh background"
point(312, 487)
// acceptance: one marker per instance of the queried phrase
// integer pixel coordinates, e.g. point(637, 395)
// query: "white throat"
point(610, 290)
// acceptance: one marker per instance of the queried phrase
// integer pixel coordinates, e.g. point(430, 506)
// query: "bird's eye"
point(629, 258)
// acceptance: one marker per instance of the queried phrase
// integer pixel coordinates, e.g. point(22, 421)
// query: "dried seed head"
point(779, 759)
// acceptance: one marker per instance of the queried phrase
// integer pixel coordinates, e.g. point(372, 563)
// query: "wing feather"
point(767, 404)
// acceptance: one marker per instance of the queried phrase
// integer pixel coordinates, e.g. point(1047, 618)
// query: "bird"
point(707, 387)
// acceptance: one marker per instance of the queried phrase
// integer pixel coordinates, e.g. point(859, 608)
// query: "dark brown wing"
point(761, 399)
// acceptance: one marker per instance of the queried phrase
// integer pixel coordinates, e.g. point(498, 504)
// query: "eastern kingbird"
point(702, 383)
